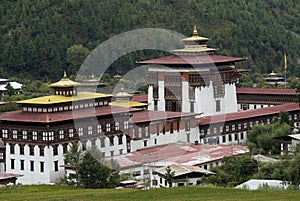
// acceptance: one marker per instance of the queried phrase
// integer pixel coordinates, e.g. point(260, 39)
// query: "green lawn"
point(56, 192)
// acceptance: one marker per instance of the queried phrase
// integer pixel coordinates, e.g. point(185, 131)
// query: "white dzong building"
point(194, 79)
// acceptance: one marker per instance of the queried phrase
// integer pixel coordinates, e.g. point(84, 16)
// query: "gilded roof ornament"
point(64, 82)
point(195, 32)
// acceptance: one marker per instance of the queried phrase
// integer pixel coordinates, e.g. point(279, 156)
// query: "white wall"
point(36, 176)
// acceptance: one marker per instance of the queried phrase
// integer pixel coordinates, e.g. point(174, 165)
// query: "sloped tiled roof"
point(248, 113)
point(266, 91)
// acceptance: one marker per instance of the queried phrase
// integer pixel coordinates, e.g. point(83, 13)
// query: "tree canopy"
point(35, 35)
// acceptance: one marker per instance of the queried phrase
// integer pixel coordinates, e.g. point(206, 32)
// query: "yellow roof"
point(195, 36)
point(128, 104)
point(64, 82)
point(46, 100)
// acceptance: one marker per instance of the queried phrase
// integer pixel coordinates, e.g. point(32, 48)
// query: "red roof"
point(185, 154)
point(266, 91)
point(4, 176)
point(140, 98)
point(152, 115)
point(249, 113)
point(201, 59)
point(40, 117)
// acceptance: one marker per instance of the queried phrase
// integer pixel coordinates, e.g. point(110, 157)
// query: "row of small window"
point(31, 150)
point(65, 108)
point(32, 165)
point(265, 99)
point(232, 127)
point(49, 136)
point(226, 138)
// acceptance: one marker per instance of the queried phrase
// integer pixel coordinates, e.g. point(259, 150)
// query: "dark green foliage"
point(72, 159)
point(96, 174)
point(35, 35)
point(169, 176)
point(234, 170)
point(10, 106)
point(260, 137)
point(10, 89)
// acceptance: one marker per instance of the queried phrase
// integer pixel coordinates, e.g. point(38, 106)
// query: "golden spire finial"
point(65, 74)
point(195, 32)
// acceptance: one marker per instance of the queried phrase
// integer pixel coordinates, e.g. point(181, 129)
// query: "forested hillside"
point(36, 34)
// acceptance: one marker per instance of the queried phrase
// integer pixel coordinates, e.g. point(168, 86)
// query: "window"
point(42, 152)
point(99, 129)
point(31, 150)
point(145, 143)
point(34, 135)
point(55, 166)
point(171, 127)
point(112, 153)
point(229, 138)
point(192, 107)
point(12, 149)
point(31, 165)
point(239, 126)
point(233, 127)
point(42, 166)
point(55, 150)
point(120, 139)
point(15, 134)
point(108, 127)
point(155, 141)
point(90, 130)
point(12, 164)
point(227, 128)
point(147, 131)
point(24, 135)
point(236, 136)
point(111, 140)
point(51, 136)
point(187, 125)
point(139, 132)
point(120, 151)
point(71, 132)
point(224, 139)
point(4, 133)
point(117, 126)
point(218, 105)
point(136, 173)
point(80, 131)
point(242, 136)
point(221, 129)
point(45, 136)
point(21, 164)
point(21, 149)
point(61, 134)
point(102, 141)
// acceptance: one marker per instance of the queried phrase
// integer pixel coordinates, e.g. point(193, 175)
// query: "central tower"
point(194, 79)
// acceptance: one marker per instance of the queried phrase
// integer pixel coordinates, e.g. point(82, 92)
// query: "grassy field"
point(56, 193)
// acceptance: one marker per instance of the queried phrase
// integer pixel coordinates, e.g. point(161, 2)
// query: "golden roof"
point(129, 104)
point(195, 37)
point(47, 100)
point(273, 74)
point(64, 82)
point(122, 94)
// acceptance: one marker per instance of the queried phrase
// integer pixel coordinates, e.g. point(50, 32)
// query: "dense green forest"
point(36, 35)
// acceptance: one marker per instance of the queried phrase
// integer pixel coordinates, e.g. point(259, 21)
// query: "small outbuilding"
point(183, 175)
